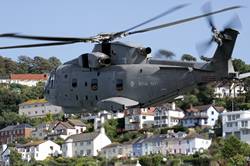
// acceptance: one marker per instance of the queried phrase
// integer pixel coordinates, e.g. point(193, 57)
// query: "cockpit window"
point(119, 84)
point(74, 83)
point(51, 80)
point(94, 84)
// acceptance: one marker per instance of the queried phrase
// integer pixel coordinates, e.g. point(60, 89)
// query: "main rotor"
point(108, 37)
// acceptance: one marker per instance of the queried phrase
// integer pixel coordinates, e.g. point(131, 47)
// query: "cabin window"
point(74, 83)
point(119, 84)
point(94, 84)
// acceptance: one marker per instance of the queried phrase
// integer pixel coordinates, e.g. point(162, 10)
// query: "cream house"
point(85, 144)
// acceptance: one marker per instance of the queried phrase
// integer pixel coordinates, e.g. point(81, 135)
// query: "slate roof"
point(71, 123)
point(14, 127)
point(155, 138)
point(76, 122)
point(168, 106)
point(115, 144)
point(204, 108)
point(35, 143)
point(83, 136)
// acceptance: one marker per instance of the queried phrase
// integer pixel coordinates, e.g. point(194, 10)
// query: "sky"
point(80, 18)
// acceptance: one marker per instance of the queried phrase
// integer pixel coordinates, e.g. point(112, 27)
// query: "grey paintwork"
point(145, 82)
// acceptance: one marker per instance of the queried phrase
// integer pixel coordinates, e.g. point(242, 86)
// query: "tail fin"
point(222, 62)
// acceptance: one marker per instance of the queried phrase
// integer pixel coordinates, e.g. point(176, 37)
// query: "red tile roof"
point(28, 76)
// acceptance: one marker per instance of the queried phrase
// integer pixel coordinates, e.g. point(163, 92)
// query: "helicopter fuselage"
point(79, 89)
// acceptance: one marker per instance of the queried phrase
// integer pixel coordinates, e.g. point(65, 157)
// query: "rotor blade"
point(207, 9)
point(204, 46)
point(158, 16)
point(182, 21)
point(47, 38)
point(244, 75)
point(37, 45)
point(234, 23)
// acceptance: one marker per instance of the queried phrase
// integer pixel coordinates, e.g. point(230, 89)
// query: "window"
point(143, 117)
point(74, 83)
point(119, 84)
point(94, 84)
point(212, 112)
point(86, 84)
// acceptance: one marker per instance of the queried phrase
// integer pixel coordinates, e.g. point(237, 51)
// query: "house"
point(13, 132)
point(113, 150)
point(24, 79)
point(39, 150)
point(155, 144)
point(85, 144)
point(187, 144)
point(139, 118)
point(42, 130)
point(137, 146)
point(228, 90)
point(5, 155)
point(99, 118)
point(64, 129)
point(38, 108)
point(204, 116)
point(236, 123)
point(167, 115)
point(127, 148)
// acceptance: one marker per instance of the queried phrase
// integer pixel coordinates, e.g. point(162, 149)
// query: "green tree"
point(16, 158)
point(111, 128)
point(188, 57)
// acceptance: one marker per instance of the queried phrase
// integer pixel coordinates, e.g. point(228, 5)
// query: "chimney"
point(173, 106)
point(102, 119)
point(102, 131)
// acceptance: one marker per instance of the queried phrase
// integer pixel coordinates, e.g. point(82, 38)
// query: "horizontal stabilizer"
point(244, 75)
point(116, 103)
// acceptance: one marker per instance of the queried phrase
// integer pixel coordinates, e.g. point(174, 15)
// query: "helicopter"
point(118, 76)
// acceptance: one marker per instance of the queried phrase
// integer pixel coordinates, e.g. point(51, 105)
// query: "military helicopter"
point(117, 76)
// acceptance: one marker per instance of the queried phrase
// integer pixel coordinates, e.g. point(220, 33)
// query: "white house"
point(39, 150)
point(237, 123)
point(188, 144)
point(100, 117)
point(205, 115)
point(85, 144)
point(228, 90)
point(67, 128)
point(38, 108)
point(167, 115)
point(139, 118)
point(5, 155)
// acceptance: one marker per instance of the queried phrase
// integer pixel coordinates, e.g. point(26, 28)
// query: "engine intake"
point(94, 60)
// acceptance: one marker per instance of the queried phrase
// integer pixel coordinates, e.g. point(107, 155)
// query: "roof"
point(204, 108)
point(34, 143)
point(76, 122)
point(111, 145)
point(83, 136)
point(29, 77)
point(140, 111)
point(71, 123)
point(35, 101)
point(168, 106)
point(155, 138)
point(195, 135)
point(14, 127)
